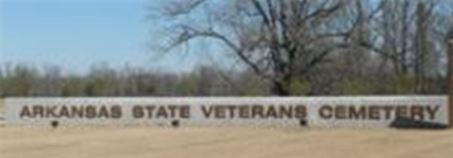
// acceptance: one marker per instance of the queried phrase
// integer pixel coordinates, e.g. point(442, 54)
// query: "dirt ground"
point(19, 142)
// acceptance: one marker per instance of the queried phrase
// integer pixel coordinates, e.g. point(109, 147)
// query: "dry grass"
point(222, 142)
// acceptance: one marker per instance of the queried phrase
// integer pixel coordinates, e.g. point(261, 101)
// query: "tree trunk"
point(279, 89)
point(421, 49)
point(450, 76)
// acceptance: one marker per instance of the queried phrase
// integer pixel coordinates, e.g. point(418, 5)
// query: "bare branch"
point(178, 8)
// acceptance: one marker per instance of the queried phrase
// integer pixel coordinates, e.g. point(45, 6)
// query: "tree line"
point(21, 80)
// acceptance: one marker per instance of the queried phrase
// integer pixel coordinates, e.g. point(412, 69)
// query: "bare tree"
point(404, 35)
point(278, 40)
point(51, 82)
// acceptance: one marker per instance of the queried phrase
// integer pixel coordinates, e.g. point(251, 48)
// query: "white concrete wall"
point(437, 105)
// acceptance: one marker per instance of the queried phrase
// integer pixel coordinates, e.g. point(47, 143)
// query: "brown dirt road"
point(22, 142)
